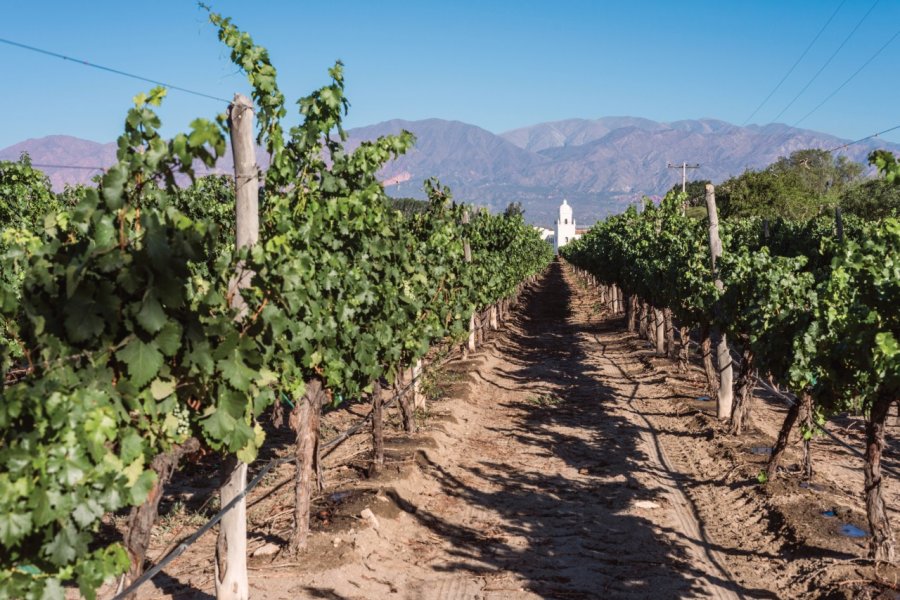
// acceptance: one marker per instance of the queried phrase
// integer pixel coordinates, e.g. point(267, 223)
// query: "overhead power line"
point(868, 137)
point(797, 62)
point(827, 62)
point(87, 168)
point(855, 73)
point(111, 70)
point(200, 171)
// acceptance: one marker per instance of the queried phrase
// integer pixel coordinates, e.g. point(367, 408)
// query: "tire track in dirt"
point(541, 479)
point(562, 464)
point(616, 371)
point(564, 486)
point(727, 524)
point(543, 489)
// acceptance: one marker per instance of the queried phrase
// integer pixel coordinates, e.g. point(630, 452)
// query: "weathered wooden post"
point(660, 335)
point(418, 396)
point(723, 357)
point(231, 547)
point(467, 252)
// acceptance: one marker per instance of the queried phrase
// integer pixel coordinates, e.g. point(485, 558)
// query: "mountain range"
point(599, 165)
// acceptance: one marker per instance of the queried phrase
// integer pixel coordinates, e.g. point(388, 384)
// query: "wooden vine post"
point(723, 357)
point(418, 395)
point(467, 252)
point(231, 546)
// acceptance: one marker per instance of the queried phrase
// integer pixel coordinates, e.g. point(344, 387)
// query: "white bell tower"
point(565, 226)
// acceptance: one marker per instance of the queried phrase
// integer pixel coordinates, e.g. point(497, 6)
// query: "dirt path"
point(546, 482)
point(567, 463)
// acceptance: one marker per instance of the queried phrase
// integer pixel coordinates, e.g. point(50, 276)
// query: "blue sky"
point(496, 64)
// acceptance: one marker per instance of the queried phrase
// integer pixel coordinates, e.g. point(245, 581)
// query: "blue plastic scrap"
point(852, 531)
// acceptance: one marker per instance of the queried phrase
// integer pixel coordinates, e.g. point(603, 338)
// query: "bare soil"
point(564, 460)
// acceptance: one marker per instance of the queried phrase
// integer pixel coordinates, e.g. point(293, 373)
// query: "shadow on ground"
point(564, 526)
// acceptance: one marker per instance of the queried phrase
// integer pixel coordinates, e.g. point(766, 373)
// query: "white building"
point(546, 234)
point(565, 227)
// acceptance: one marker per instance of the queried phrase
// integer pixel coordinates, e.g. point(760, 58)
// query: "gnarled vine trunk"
point(809, 424)
point(781, 443)
point(141, 518)
point(377, 429)
point(305, 423)
point(406, 411)
point(712, 379)
point(671, 350)
point(632, 312)
point(659, 332)
point(684, 350)
point(881, 544)
point(740, 410)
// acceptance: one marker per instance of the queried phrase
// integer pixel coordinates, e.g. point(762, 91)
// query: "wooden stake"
point(231, 546)
point(723, 357)
point(418, 396)
point(660, 335)
point(467, 253)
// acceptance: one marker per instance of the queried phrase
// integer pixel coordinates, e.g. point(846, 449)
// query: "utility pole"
point(684, 167)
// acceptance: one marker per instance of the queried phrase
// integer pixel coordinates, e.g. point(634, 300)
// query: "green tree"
point(795, 187)
point(409, 206)
point(514, 209)
point(695, 190)
point(817, 171)
point(872, 199)
point(25, 194)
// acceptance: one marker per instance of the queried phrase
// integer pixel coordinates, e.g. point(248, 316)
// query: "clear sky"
point(496, 64)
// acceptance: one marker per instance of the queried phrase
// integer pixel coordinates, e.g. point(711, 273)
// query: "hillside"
point(599, 165)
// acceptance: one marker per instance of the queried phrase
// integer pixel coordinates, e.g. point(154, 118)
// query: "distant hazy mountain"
point(64, 150)
point(71, 160)
point(599, 165)
point(572, 132)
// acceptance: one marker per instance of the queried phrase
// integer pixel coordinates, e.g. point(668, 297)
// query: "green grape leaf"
point(143, 360)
